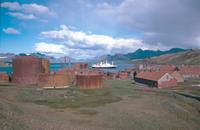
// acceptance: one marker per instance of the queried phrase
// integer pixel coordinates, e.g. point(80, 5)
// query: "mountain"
point(138, 54)
point(7, 57)
point(50, 58)
point(189, 57)
point(142, 54)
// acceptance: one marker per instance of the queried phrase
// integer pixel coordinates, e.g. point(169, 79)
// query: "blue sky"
point(89, 28)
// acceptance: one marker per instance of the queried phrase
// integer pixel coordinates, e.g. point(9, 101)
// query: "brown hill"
point(191, 57)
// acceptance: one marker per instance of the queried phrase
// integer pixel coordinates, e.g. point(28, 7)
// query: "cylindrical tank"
point(89, 80)
point(53, 80)
point(70, 72)
point(45, 66)
point(26, 69)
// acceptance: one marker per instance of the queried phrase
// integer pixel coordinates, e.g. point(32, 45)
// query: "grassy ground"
point(120, 105)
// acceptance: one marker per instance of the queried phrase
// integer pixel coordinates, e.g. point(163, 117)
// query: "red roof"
point(151, 75)
point(167, 68)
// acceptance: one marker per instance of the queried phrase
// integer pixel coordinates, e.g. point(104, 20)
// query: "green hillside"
point(191, 57)
point(142, 54)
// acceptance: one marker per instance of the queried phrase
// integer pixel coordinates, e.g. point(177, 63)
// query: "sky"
point(88, 28)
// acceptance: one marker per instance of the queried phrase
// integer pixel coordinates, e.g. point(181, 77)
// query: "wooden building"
point(156, 79)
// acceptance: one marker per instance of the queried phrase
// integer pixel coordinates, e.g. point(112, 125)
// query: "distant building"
point(80, 66)
point(190, 72)
point(156, 79)
point(173, 71)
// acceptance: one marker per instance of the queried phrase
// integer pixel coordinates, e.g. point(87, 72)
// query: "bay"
point(57, 66)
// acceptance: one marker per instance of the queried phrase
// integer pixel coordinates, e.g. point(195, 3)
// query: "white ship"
point(104, 65)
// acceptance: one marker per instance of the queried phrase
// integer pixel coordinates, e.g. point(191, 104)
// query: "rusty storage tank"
point(69, 71)
point(80, 66)
point(89, 80)
point(46, 66)
point(53, 80)
point(26, 69)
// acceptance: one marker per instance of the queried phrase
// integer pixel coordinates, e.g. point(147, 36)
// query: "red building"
point(190, 72)
point(158, 79)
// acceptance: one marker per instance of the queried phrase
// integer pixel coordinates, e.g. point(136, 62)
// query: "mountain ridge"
point(138, 54)
point(142, 54)
point(189, 57)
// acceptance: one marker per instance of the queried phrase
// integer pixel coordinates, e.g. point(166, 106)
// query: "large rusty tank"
point(69, 71)
point(59, 78)
point(53, 80)
point(26, 69)
point(89, 80)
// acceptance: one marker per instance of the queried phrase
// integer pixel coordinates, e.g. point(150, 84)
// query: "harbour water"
point(56, 66)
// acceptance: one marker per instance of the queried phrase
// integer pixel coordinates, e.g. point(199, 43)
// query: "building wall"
point(166, 84)
point(167, 80)
point(165, 77)
point(179, 78)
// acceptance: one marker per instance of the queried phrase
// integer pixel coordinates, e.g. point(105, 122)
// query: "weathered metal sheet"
point(89, 80)
point(26, 69)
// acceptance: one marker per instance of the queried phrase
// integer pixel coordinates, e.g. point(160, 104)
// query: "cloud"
point(49, 48)
point(27, 11)
point(92, 41)
point(59, 50)
point(28, 8)
point(37, 9)
point(173, 23)
point(22, 16)
point(11, 5)
point(11, 31)
point(79, 44)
